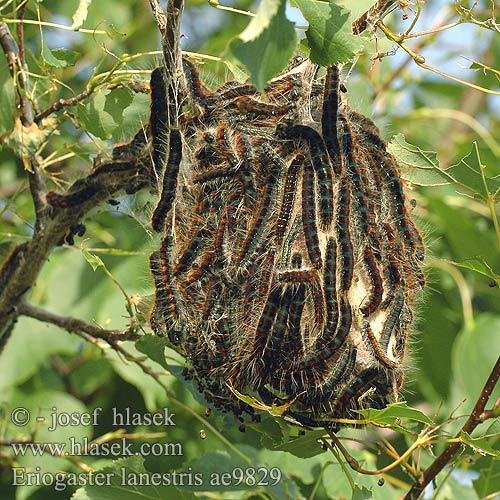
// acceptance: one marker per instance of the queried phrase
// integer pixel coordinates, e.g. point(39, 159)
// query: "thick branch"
point(476, 417)
point(372, 16)
point(160, 17)
point(11, 51)
point(173, 62)
point(27, 260)
point(73, 324)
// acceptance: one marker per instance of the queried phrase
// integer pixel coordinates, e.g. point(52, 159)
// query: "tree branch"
point(373, 15)
point(74, 325)
point(25, 262)
point(62, 103)
point(475, 418)
point(11, 51)
point(160, 17)
point(176, 87)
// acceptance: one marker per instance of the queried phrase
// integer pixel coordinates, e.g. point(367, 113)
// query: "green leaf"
point(117, 102)
point(480, 445)
point(337, 485)
point(153, 393)
point(223, 471)
point(35, 341)
point(388, 415)
point(41, 405)
point(303, 446)
point(154, 348)
point(273, 431)
point(422, 168)
point(94, 260)
point(329, 34)
point(267, 43)
point(474, 355)
point(7, 107)
point(135, 115)
point(59, 58)
point(470, 175)
point(26, 141)
point(214, 465)
point(417, 166)
point(94, 119)
point(488, 481)
point(66, 57)
point(123, 483)
point(80, 14)
point(362, 494)
point(237, 72)
point(479, 265)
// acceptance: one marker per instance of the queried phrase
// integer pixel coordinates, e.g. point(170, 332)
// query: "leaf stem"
point(415, 19)
point(433, 31)
point(420, 60)
point(217, 5)
point(53, 25)
point(490, 197)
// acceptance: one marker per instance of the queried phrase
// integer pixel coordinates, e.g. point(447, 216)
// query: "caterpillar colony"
point(289, 262)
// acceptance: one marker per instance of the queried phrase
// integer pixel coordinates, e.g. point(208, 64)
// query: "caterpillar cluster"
point(289, 262)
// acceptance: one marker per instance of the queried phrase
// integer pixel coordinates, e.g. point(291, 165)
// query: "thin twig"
point(476, 417)
point(63, 103)
point(422, 440)
point(74, 325)
point(420, 60)
point(149, 371)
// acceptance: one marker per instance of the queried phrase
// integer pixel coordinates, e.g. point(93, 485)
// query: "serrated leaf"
point(480, 445)
point(94, 119)
point(417, 166)
point(66, 57)
point(48, 59)
point(59, 58)
point(272, 431)
point(306, 446)
point(362, 493)
point(422, 168)
point(329, 34)
point(470, 175)
point(80, 14)
point(117, 102)
point(154, 348)
point(388, 415)
point(267, 43)
point(479, 265)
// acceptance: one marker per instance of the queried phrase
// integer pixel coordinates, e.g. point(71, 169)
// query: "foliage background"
point(456, 338)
